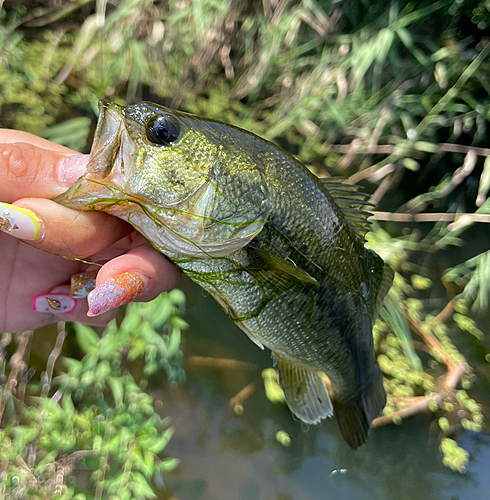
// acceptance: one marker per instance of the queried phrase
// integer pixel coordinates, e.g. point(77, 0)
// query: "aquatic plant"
point(87, 429)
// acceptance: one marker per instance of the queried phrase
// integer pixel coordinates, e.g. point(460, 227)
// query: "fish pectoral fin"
point(384, 285)
point(283, 266)
point(305, 392)
point(355, 415)
point(384, 279)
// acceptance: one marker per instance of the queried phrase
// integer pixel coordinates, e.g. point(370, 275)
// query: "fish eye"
point(163, 130)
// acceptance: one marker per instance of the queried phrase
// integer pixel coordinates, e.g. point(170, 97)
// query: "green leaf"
point(132, 320)
point(390, 313)
point(67, 494)
point(140, 485)
point(117, 388)
point(49, 458)
point(161, 313)
point(150, 461)
point(145, 467)
point(174, 342)
point(384, 41)
point(411, 164)
point(177, 296)
point(161, 442)
point(74, 366)
point(87, 338)
point(169, 464)
point(426, 147)
point(25, 434)
point(71, 133)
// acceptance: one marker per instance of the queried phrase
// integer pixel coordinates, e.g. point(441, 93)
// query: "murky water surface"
point(229, 457)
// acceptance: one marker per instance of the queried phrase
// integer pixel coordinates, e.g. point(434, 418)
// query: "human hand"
point(39, 242)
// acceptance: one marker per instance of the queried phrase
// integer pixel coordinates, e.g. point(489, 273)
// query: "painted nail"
point(114, 293)
point(82, 284)
point(57, 303)
point(19, 222)
point(71, 168)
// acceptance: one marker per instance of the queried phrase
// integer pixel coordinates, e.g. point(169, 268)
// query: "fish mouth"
point(107, 140)
point(104, 154)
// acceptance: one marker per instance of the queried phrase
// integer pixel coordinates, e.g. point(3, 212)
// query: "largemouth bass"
point(280, 250)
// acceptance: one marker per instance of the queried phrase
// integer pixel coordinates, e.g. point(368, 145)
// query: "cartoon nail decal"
point(57, 303)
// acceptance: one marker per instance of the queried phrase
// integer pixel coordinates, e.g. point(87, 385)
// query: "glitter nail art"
point(71, 168)
point(82, 284)
point(57, 303)
point(114, 293)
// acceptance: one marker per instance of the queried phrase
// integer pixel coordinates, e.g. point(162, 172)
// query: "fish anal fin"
point(305, 391)
point(355, 415)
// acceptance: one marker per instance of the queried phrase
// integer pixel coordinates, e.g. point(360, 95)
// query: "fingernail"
point(57, 303)
point(19, 222)
point(114, 293)
point(82, 284)
point(71, 168)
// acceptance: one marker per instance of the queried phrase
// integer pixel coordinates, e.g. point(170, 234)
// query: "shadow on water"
point(229, 457)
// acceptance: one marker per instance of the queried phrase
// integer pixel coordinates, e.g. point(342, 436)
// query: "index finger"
point(33, 167)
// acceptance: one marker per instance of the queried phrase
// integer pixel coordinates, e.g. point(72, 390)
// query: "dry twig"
point(220, 363)
point(245, 393)
point(17, 367)
point(430, 217)
point(447, 386)
point(48, 374)
point(388, 149)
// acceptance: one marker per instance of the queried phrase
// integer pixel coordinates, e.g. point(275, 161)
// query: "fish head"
point(186, 183)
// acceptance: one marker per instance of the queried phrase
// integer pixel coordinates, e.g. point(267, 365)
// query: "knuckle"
point(77, 240)
point(16, 162)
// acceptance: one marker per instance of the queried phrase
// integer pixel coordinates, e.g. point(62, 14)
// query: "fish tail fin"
point(304, 390)
point(355, 415)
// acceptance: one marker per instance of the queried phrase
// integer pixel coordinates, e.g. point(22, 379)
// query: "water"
point(229, 457)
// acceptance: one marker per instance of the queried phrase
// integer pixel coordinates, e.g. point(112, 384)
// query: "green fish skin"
point(280, 250)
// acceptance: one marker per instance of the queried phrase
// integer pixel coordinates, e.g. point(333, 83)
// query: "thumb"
point(34, 167)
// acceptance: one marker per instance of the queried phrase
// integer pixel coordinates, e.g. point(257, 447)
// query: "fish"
point(281, 250)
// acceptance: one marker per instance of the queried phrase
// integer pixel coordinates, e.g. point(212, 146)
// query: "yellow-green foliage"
point(455, 457)
point(283, 438)
point(363, 89)
point(94, 416)
point(30, 100)
point(273, 390)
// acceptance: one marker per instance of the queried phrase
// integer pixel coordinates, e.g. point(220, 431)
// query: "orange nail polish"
point(115, 292)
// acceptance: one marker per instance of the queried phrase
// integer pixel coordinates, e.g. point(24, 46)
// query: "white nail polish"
point(19, 222)
point(55, 303)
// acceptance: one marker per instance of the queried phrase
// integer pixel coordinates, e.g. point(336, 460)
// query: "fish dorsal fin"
point(351, 201)
point(283, 267)
point(304, 390)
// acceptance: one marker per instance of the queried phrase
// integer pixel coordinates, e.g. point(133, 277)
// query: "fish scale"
point(281, 251)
